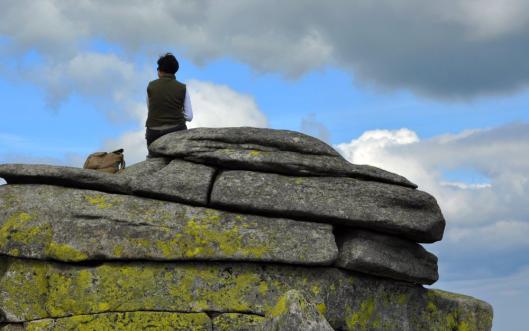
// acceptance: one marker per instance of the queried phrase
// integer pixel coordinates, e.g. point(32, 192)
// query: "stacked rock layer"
point(225, 229)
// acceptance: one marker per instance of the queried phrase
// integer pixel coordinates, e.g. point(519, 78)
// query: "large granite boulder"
point(346, 201)
point(211, 233)
point(49, 222)
point(175, 180)
point(387, 256)
point(34, 289)
point(179, 181)
point(63, 176)
point(266, 150)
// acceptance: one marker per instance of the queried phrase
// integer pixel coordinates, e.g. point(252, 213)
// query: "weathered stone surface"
point(387, 256)
point(63, 176)
point(179, 181)
point(237, 322)
point(387, 208)
point(268, 150)
point(48, 222)
point(175, 180)
point(144, 168)
point(128, 321)
point(294, 313)
point(34, 289)
point(13, 327)
point(269, 139)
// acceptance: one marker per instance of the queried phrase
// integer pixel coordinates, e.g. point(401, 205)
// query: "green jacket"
point(165, 97)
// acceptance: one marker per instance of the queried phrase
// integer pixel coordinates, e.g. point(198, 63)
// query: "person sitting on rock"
point(167, 100)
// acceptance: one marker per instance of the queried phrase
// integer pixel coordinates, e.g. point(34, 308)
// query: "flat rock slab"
point(34, 289)
point(283, 140)
point(387, 256)
point(139, 320)
point(267, 150)
point(161, 178)
point(381, 207)
point(179, 181)
point(144, 168)
point(63, 176)
point(49, 222)
point(295, 313)
point(238, 322)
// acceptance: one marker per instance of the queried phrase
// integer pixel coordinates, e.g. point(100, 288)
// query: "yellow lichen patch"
point(315, 289)
point(118, 250)
point(263, 287)
point(254, 153)
point(402, 298)
point(463, 326)
point(18, 232)
point(24, 290)
point(13, 227)
point(280, 308)
point(431, 307)
point(322, 308)
point(207, 237)
point(65, 252)
point(363, 317)
point(135, 321)
point(99, 200)
point(233, 321)
point(208, 289)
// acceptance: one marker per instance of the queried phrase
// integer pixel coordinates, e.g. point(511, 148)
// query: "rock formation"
point(226, 229)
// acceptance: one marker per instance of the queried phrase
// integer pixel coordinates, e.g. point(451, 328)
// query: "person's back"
point(168, 101)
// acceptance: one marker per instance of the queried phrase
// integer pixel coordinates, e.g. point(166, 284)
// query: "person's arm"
point(188, 110)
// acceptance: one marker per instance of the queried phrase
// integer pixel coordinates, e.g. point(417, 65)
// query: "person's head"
point(168, 64)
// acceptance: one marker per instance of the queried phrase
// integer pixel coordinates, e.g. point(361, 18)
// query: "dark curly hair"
point(168, 63)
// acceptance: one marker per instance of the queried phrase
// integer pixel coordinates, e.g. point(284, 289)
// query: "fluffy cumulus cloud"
point(448, 49)
point(214, 106)
point(487, 222)
point(100, 77)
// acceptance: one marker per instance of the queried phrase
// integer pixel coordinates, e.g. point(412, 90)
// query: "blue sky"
point(437, 92)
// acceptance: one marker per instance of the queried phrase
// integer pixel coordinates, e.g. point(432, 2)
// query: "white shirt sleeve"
point(188, 110)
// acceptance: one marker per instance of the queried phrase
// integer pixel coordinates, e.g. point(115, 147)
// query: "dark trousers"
point(152, 135)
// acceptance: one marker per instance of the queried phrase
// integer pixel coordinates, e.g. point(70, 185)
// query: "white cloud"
point(112, 83)
point(483, 219)
point(213, 106)
point(437, 57)
point(498, 236)
point(486, 19)
point(366, 148)
point(220, 106)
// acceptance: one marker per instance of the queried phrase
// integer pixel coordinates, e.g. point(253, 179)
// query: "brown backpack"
point(107, 162)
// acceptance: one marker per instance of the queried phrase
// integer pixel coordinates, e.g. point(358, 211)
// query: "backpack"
point(107, 162)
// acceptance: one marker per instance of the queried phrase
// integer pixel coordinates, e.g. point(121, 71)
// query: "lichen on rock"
point(225, 229)
point(127, 321)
